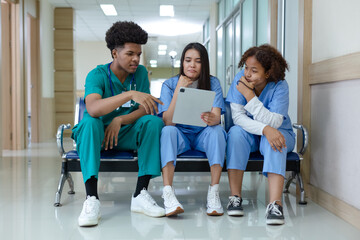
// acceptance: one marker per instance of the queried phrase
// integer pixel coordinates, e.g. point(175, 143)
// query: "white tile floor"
point(28, 182)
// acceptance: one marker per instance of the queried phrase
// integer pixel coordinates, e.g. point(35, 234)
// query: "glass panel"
point(220, 59)
point(228, 56)
point(237, 44)
point(236, 2)
point(262, 22)
point(247, 25)
point(228, 7)
point(221, 10)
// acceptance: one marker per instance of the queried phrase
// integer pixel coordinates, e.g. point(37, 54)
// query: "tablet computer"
point(190, 104)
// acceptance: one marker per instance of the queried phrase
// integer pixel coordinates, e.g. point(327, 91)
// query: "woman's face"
point(192, 64)
point(255, 73)
point(128, 57)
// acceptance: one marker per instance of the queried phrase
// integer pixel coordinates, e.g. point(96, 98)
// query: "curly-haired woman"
point(118, 104)
point(259, 100)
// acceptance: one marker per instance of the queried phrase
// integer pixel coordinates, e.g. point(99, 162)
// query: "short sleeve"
point(234, 96)
point(219, 99)
point(280, 99)
point(166, 96)
point(94, 82)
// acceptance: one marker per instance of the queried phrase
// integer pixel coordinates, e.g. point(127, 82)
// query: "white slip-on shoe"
point(145, 204)
point(90, 213)
point(214, 207)
point(172, 205)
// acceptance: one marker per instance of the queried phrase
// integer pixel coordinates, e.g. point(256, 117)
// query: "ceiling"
point(91, 23)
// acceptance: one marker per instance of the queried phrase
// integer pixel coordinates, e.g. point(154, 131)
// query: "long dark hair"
point(204, 78)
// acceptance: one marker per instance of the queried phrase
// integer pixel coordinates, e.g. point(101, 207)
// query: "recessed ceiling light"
point(162, 47)
point(153, 65)
point(108, 9)
point(166, 10)
point(153, 61)
point(162, 52)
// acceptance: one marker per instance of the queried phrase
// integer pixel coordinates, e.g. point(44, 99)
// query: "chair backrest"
point(80, 108)
point(227, 117)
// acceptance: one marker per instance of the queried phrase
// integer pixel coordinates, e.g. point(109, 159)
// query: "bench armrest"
point(305, 137)
point(59, 138)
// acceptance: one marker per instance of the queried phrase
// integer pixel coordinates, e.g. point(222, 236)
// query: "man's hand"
point(147, 101)
point(111, 133)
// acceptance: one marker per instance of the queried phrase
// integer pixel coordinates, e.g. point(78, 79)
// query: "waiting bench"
point(190, 161)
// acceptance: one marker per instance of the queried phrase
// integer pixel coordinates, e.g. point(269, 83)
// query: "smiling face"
point(127, 58)
point(255, 73)
point(192, 64)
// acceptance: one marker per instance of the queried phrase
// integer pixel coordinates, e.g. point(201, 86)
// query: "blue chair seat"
point(109, 154)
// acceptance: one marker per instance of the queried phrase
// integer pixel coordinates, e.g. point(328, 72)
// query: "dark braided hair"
point(124, 32)
point(270, 59)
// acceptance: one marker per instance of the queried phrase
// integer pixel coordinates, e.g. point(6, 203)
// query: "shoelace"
point(149, 198)
point(90, 205)
point(273, 209)
point(235, 201)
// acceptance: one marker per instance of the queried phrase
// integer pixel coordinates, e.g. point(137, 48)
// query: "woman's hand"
point(111, 133)
point(146, 100)
point(212, 118)
point(275, 138)
point(184, 81)
point(245, 88)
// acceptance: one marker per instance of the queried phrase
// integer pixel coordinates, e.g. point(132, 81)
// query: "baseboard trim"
point(334, 205)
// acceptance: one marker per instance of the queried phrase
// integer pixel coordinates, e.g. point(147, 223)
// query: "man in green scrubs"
point(119, 115)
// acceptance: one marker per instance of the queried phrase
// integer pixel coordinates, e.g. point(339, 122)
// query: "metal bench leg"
point(288, 182)
point(302, 190)
point(62, 180)
point(71, 183)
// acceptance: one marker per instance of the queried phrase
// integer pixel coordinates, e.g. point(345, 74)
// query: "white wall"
point(335, 111)
point(87, 56)
point(335, 30)
point(47, 48)
point(291, 54)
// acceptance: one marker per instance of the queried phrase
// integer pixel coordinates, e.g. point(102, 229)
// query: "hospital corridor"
point(264, 145)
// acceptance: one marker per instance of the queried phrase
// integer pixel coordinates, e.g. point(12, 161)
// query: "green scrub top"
point(97, 81)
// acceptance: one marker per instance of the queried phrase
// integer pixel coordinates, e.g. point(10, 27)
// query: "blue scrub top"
point(97, 81)
point(167, 93)
point(275, 97)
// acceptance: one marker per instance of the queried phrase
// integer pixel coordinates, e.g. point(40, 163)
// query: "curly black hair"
point(122, 32)
point(270, 59)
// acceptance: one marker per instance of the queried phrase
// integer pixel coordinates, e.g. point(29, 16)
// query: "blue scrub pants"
point(142, 135)
point(211, 140)
point(241, 143)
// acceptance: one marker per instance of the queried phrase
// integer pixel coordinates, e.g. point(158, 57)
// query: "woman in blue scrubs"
point(177, 138)
point(259, 100)
point(118, 104)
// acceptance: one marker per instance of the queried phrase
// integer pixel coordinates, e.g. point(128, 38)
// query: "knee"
point(169, 132)
point(153, 122)
point(236, 134)
point(217, 132)
point(91, 124)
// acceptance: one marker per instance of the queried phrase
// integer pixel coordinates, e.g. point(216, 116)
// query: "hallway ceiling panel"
point(91, 23)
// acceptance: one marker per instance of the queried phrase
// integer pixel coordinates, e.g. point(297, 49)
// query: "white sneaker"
point(214, 207)
point(90, 213)
point(172, 205)
point(145, 204)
